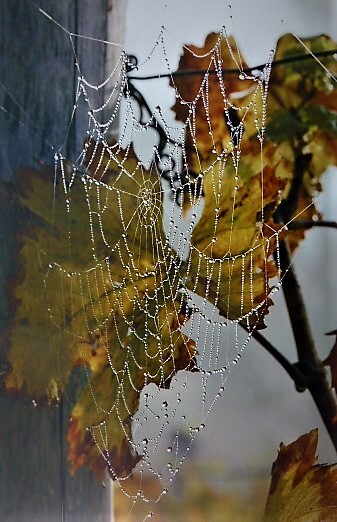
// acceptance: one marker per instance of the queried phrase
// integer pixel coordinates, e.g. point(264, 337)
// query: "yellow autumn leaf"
point(232, 242)
point(40, 349)
point(96, 255)
point(100, 431)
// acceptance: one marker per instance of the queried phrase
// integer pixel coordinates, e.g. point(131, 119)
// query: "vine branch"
point(308, 359)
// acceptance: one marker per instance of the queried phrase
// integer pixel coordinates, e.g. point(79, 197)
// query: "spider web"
point(151, 244)
point(145, 282)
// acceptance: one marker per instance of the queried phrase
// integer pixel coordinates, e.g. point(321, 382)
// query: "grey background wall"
point(37, 94)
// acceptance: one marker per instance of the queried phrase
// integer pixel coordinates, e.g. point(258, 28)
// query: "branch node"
point(310, 374)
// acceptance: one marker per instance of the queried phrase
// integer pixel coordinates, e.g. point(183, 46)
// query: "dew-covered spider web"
point(159, 256)
point(168, 275)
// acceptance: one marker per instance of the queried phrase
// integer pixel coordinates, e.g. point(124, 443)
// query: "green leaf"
point(320, 118)
point(283, 125)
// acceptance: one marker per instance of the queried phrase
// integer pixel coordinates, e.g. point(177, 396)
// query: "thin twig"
point(294, 373)
point(245, 70)
point(300, 224)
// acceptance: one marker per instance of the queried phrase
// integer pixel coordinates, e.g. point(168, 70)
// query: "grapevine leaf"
point(88, 271)
point(241, 243)
point(235, 235)
point(100, 431)
point(40, 353)
point(300, 489)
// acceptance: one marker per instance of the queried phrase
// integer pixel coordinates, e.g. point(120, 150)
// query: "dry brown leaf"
point(209, 92)
point(300, 489)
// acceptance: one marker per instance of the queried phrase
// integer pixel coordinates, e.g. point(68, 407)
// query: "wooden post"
point(37, 93)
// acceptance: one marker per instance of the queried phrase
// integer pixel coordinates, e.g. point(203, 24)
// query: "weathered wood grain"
point(37, 86)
